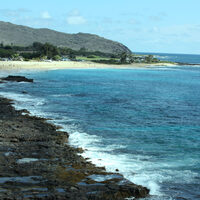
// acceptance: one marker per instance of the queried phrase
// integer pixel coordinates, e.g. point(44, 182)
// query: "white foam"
point(62, 95)
point(126, 164)
point(139, 169)
point(26, 101)
point(164, 68)
point(86, 141)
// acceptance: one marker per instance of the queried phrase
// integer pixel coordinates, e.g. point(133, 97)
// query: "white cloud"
point(75, 18)
point(45, 15)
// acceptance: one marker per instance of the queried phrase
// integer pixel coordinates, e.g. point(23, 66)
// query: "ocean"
point(143, 122)
point(181, 58)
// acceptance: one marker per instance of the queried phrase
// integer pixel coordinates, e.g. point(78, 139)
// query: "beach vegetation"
point(72, 56)
point(149, 58)
point(57, 57)
point(83, 51)
point(91, 56)
point(6, 53)
point(39, 51)
point(30, 56)
point(37, 46)
point(123, 58)
point(49, 50)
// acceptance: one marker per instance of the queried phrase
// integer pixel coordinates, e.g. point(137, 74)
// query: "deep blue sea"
point(144, 122)
point(182, 58)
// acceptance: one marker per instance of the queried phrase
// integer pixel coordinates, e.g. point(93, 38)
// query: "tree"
point(71, 56)
point(83, 51)
point(1, 45)
point(15, 56)
point(43, 57)
point(6, 53)
point(7, 47)
point(123, 57)
point(57, 57)
point(131, 58)
point(49, 50)
point(37, 46)
point(149, 58)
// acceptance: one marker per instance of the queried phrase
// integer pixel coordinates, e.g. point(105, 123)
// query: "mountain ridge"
point(25, 36)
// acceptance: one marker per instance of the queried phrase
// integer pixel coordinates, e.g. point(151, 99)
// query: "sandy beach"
point(35, 65)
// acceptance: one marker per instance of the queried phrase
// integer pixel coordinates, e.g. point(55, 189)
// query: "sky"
point(168, 26)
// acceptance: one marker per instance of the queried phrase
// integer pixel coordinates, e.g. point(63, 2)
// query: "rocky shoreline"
point(36, 162)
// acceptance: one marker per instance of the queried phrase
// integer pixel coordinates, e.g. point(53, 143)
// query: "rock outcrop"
point(17, 79)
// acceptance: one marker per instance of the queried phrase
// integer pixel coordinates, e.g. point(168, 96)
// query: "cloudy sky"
point(171, 26)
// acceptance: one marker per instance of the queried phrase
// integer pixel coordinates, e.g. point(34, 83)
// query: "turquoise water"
point(144, 122)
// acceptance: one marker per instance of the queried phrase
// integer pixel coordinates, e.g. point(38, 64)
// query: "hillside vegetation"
point(17, 35)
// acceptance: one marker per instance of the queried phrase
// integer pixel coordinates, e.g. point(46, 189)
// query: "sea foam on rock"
point(42, 158)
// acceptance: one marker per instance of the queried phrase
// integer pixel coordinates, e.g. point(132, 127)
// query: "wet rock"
point(24, 92)
point(36, 162)
point(17, 79)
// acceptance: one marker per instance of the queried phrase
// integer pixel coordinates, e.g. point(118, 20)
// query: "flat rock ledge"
point(36, 162)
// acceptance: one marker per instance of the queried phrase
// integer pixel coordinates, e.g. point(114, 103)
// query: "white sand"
point(23, 65)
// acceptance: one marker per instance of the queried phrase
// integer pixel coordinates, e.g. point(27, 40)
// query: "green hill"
point(24, 36)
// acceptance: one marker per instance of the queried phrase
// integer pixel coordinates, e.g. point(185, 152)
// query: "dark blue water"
point(144, 122)
point(183, 58)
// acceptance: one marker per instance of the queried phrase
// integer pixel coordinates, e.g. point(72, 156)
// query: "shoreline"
point(37, 162)
point(36, 65)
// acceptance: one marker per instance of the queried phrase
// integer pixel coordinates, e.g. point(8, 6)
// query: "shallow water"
point(143, 122)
